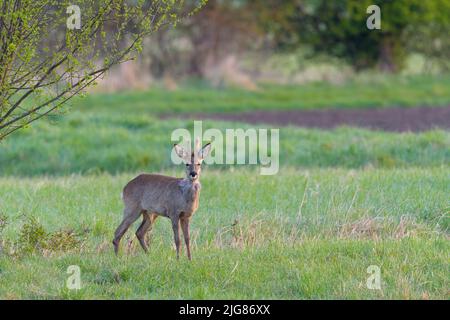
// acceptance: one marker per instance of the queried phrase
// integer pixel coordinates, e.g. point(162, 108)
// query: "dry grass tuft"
point(377, 228)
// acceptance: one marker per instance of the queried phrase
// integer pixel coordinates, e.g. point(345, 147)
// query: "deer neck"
point(190, 189)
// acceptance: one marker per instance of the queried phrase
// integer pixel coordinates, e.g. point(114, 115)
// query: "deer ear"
point(204, 152)
point(179, 150)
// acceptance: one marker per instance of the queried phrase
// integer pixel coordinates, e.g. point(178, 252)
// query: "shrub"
point(33, 238)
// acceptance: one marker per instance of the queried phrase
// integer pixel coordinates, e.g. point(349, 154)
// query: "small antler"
point(197, 146)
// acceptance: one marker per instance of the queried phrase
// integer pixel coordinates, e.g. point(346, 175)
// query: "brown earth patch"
point(387, 119)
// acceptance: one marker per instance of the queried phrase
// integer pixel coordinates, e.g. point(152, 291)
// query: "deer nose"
point(193, 174)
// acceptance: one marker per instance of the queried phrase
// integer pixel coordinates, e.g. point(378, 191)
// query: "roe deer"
point(153, 195)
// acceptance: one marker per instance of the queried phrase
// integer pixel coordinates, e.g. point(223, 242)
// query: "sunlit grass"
point(301, 234)
point(343, 200)
point(385, 91)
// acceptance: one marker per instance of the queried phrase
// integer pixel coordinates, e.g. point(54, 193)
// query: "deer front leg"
point(176, 234)
point(185, 228)
point(143, 229)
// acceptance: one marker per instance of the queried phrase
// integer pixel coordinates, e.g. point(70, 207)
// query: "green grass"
point(344, 199)
point(387, 91)
point(121, 132)
point(302, 234)
point(113, 143)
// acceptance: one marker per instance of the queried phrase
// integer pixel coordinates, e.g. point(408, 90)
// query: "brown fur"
point(153, 195)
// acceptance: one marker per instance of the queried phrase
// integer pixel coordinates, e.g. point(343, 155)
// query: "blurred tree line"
point(333, 28)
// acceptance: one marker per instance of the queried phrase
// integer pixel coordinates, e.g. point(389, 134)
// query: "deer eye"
point(187, 164)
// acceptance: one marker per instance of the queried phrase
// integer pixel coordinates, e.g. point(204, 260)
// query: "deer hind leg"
point(185, 228)
point(130, 215)
point(145, 226)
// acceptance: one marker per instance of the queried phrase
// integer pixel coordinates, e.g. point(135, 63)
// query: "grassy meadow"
point(344, 199)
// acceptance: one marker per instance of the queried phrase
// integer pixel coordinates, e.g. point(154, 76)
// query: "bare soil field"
point(387, 119)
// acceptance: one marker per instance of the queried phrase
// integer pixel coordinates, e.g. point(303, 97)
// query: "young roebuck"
point(153, 195)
